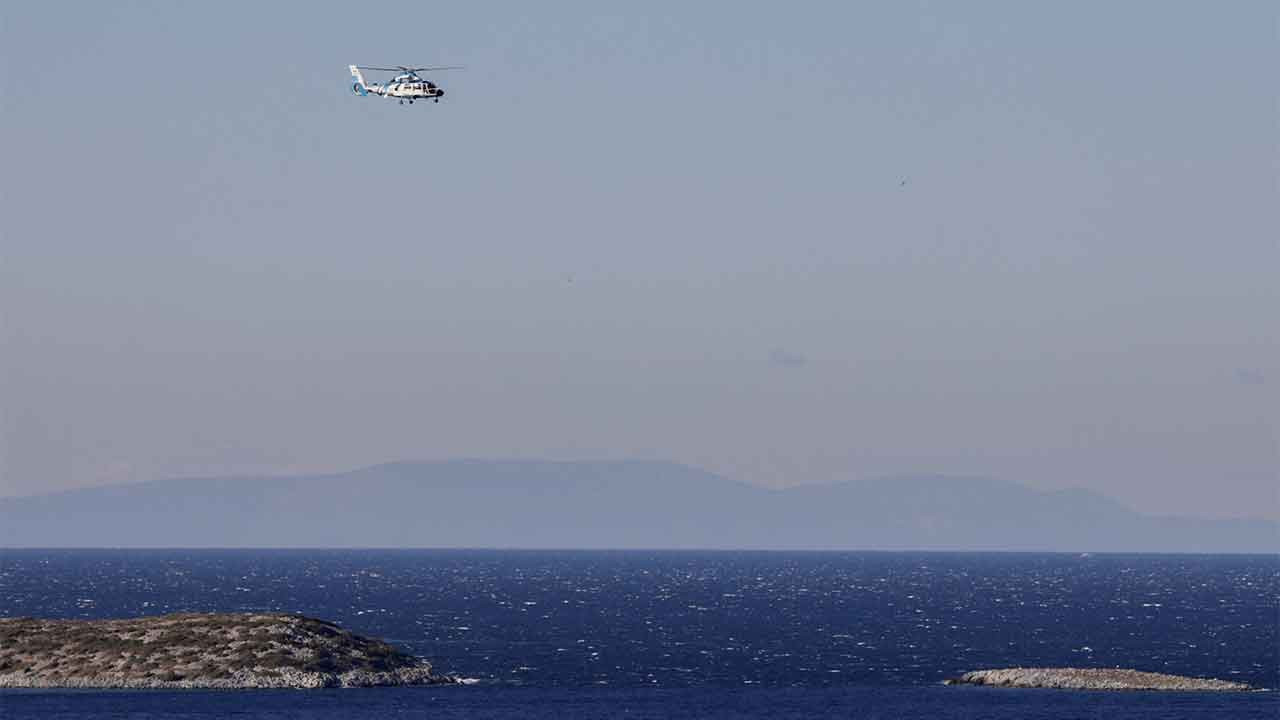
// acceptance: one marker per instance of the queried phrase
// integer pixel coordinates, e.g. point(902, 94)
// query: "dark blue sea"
point(563, 634)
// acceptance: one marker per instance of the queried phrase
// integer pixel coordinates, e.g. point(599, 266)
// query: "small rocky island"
point(1092, 679)
point(198, 650)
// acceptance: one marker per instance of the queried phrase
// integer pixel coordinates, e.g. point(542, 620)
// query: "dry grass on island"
point(198, 650)
point(1094, 679)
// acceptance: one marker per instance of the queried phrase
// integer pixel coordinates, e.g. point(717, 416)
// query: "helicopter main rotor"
point(404, 68)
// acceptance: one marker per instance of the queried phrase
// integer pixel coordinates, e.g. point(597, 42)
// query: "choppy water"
point(743, 634)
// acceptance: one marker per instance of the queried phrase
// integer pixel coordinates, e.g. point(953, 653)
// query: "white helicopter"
point(406, 85)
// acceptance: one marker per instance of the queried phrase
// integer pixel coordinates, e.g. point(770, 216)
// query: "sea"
point(657, 634)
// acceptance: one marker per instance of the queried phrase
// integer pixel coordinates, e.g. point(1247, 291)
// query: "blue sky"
point(652, 231)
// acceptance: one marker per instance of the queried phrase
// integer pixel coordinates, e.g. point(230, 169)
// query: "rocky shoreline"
point(201, 650)
point(1094, 679)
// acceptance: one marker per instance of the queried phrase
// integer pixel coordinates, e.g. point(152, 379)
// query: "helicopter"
point(406, 85)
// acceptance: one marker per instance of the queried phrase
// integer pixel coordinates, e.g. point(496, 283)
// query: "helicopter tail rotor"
point(358, 87)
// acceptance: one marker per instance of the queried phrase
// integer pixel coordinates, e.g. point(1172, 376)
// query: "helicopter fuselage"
point(416, 89)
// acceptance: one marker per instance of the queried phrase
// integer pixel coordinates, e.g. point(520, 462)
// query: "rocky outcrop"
point(1092, 679)
point(250, 650)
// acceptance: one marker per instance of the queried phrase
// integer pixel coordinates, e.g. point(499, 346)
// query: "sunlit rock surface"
point(250, 650)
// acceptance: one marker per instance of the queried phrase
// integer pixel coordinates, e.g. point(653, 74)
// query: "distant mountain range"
point(634, 504)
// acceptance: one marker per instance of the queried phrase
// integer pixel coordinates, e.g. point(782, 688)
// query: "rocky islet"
point(1093, 679)
point(201, 650)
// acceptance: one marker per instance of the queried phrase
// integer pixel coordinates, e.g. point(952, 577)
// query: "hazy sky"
point(653, 230)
